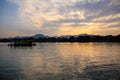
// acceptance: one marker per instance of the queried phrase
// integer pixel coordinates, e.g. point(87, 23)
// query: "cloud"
point(117, 25)
point(59, 13)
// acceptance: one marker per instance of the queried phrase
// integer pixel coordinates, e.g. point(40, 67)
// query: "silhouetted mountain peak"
point(39, 36)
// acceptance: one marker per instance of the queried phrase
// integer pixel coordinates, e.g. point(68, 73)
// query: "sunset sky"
point(59, 17)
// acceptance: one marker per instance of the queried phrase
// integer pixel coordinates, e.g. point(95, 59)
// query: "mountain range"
point(37, 36)
point(64, 38)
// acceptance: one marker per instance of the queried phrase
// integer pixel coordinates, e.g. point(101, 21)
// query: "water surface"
point(60, 61)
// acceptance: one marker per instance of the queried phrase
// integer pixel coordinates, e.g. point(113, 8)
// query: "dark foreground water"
point(61, 61)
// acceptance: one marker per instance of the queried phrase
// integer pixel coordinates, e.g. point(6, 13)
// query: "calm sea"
point(60, 61)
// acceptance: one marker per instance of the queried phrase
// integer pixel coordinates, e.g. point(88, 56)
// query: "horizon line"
point(59, 35)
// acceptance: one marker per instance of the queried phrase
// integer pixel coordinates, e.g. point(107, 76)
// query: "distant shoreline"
point(64, 38)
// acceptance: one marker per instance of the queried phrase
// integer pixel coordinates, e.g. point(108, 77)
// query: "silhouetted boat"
point(22, 43)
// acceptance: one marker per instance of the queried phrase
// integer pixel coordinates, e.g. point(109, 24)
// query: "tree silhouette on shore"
point(87, 38)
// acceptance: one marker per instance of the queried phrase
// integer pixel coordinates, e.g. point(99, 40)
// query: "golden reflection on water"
point(75, 56)
point(65, 58)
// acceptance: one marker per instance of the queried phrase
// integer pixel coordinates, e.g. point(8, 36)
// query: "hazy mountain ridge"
point(36, 36)
point(65, 38)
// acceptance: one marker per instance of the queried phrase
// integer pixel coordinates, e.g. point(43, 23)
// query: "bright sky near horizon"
point(59, 17)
